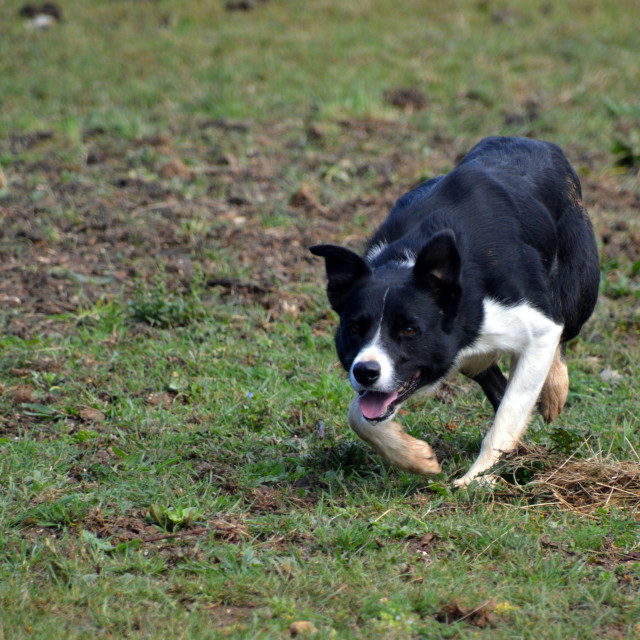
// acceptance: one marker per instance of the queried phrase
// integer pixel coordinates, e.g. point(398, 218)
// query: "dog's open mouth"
point(379, 405)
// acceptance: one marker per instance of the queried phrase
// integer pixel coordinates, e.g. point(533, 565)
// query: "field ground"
point(174, 458)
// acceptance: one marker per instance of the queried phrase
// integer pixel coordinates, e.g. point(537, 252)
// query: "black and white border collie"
point(496, 259)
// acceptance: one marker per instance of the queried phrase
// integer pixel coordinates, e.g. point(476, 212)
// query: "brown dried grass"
point(580, 484)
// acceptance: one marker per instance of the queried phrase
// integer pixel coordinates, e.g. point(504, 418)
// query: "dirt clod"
point(479, 616)
point(301, 628)
point(406, 98)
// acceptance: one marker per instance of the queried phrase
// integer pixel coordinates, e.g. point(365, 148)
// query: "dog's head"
point(397, 320)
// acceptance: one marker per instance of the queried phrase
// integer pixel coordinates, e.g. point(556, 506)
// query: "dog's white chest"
point(506, 330)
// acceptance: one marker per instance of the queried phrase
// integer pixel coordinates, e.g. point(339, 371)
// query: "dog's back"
point(507, 188)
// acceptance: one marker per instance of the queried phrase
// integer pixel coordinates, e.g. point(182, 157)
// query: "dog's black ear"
point(438, 269)
point(344, 269)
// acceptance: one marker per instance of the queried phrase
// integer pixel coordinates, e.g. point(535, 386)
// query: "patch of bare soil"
point(123, 528)
point(479, 616)
point(263, 500)
point(608, 556)
point(72, 234)
point(225, 615)
point(136, 526)
point(423, 551)
point(18, 425)
point(216, 195)
point(611, 202)
point(408, 98)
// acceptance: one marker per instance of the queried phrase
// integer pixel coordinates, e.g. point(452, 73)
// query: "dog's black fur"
point(508, 226)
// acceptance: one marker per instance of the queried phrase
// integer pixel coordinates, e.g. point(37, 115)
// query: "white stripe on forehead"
point(373, 351)
point(384, 300)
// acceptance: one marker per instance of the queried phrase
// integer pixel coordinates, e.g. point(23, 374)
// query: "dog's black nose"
point(367, 372)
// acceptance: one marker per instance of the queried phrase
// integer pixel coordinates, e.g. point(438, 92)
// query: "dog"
point(496, 259)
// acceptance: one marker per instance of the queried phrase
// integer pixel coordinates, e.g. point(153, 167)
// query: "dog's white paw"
point(488, 480)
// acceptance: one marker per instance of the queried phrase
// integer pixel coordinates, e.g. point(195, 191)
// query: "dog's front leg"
point(528, 374)
point(393, 444)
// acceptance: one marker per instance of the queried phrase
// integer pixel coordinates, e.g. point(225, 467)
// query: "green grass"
point(286, 525)
point(131, 67)
point(174, 455)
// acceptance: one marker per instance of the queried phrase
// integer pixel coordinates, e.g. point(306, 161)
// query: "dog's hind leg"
point(393, 444)
point(493, 383)
point(556, 387)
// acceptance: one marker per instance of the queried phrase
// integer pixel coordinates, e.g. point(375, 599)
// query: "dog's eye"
point(355, 329)
point(409, 330)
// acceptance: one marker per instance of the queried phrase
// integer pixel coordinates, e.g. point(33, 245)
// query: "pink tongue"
point(373, 403)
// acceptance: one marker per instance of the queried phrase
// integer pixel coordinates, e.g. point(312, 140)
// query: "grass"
point(222, 511)
point(174, 458)
point(131, 68)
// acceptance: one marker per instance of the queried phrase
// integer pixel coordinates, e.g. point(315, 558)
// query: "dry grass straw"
point(580, 484)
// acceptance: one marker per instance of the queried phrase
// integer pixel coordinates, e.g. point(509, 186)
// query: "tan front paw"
point(394, 445)
point(409, 453)
point(423, 460)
